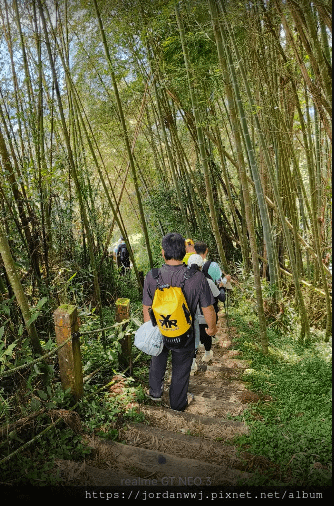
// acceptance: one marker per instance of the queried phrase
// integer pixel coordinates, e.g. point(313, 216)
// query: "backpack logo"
point(166, 322)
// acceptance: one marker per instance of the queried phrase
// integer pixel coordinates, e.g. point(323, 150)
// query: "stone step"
point(181, 444)
point(222, 390)
point(132, 465)
point(216, 428)
point(218, 398)
point(215, 407)
point(190, 448)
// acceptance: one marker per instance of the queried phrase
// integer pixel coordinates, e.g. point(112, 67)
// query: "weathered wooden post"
point(123, 313)
point(69, 356)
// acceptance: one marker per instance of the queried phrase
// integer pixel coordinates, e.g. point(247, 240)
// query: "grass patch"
point(294, 429)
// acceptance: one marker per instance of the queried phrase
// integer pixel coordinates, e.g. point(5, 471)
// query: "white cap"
point(195, 259)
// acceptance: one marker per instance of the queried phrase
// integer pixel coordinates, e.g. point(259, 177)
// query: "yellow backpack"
point(169, 309)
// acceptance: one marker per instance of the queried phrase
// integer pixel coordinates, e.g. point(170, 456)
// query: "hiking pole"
point(226, 310)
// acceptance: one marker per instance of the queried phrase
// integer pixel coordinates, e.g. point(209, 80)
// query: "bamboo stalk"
point(201, 142)
point(243, 178)
point(73, 165)
point(18, 291)
point(125, 133)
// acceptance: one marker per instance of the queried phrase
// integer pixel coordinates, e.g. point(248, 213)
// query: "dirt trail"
point(172, 448)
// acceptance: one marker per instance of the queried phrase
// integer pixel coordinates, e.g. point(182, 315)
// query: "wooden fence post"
point(69, 356)
point(123, 313)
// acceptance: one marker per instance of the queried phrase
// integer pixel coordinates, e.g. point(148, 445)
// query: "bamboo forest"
point(122, 121)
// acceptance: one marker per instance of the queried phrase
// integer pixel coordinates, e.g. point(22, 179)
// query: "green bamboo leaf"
point(72, 277)
point(42, 394)
point(9, 350)
point(41, 302)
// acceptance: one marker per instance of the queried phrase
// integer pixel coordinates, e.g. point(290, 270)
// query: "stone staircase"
point(180, 449)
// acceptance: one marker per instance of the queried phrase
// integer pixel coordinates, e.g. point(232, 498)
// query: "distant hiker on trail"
point(196, 261)
point(190, 250)
point(175, 275)
point(123, 257)
point(114, 251)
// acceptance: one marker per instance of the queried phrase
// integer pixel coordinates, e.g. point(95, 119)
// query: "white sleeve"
point(214, 289)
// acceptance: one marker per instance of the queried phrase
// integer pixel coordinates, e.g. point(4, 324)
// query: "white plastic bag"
point(149, 339)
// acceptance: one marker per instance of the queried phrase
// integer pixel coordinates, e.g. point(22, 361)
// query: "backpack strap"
point(155, 272)
point(205, 269)
point(187, 275)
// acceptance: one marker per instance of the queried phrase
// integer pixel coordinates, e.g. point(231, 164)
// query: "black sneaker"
point(153, 398)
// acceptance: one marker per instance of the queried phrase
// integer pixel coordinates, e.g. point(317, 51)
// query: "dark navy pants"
point(181, 365)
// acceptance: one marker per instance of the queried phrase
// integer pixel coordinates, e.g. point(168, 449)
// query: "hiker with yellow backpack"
point(190, 250)
point(170, 298)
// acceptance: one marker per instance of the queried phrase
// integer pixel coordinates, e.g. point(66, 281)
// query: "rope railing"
point(70, 325)
point(52, 352)
point(33, 362)
point(53, 424)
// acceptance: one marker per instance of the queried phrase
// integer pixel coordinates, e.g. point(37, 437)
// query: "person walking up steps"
point(196, 291)
point(193, 262)
point(222, 280)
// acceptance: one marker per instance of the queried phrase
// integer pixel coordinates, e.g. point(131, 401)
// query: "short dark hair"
point(174, 246)
point(200, 247)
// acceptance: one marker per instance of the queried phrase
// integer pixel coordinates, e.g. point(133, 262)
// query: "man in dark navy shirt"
point(196, 291)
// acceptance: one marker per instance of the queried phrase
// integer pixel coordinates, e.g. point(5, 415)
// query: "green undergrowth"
point(29, 452)
point(291, 424)
point(102, 411)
